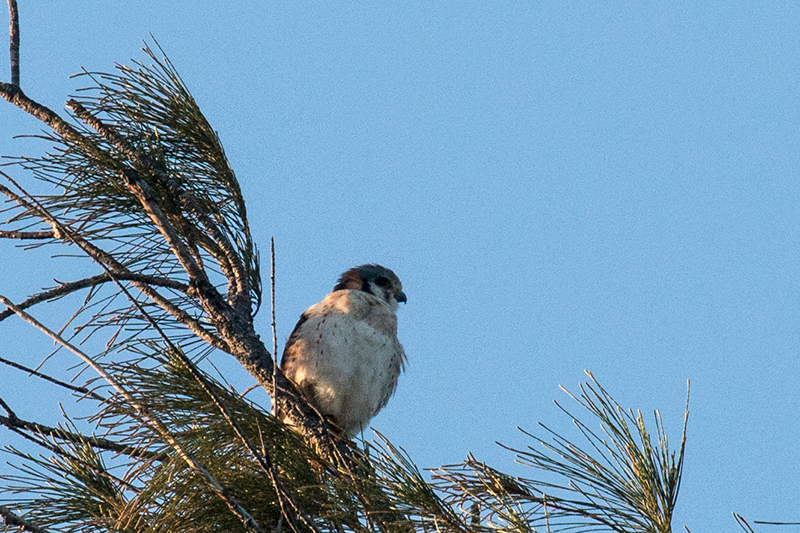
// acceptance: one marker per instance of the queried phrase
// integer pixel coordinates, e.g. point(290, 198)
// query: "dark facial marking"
point(365, 287)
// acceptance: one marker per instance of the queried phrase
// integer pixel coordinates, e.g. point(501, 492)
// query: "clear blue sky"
point(560, 185)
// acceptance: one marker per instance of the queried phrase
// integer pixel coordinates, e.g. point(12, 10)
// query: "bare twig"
point(15, 520)
point(13, 33)
point(743, 523)
point(27, 235)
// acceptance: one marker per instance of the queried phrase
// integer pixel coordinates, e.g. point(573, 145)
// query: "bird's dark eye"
point(382, 282)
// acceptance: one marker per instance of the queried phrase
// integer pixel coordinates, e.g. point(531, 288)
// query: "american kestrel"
point(343, 354)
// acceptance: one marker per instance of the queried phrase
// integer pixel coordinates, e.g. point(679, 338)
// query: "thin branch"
point(274, 332)
point(144, 412)
point(182, 316)
point(27, 235)
point(75, 388)
point(66, 288)
point(15, 520)
point(743, 523)
point(13, 421)
point(240, 299)
point(57, 450)
point(141, 190)
point(60, 231)
point(13, 33)
point(13, 94)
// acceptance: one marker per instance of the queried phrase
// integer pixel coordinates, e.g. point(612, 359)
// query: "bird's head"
point(374, 279)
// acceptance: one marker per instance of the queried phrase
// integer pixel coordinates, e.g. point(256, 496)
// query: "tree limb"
point(13, 94)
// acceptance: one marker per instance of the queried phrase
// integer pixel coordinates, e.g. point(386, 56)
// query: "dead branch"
point(13, 33)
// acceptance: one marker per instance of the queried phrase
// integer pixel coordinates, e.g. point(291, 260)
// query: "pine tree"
point(138, 184)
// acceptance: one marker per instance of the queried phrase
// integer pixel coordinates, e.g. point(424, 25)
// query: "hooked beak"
point(400, 296)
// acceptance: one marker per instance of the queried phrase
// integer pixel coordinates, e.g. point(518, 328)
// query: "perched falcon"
point(343, 354)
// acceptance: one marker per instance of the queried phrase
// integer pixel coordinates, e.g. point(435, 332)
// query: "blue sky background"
point(560, 186)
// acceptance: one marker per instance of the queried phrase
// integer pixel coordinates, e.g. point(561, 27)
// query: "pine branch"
point(13, 422)
point(36, 433)
point(228, 257)
point(247, 348)
point(224, 494)
point(143, 192)
point(262, 458)
point(64, 289)
point(107, 261)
